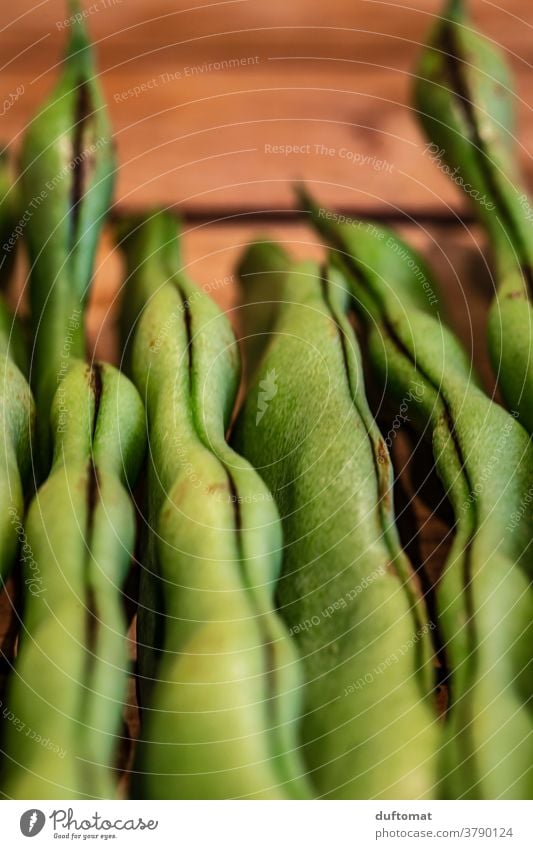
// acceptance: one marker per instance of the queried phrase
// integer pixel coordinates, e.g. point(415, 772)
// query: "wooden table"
point(218, 107)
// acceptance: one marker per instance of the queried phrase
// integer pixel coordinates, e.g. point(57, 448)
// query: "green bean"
point(8, 220)
point(17, 417)
point(464, 101)
point(12, 330)
point(347, 591)
point(16, 401)
point(67, 178)
point(221, 684)
point(485, 460)
point(66, 692)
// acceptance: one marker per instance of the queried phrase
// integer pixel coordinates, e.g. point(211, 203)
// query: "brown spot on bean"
point(382, 454)
point(383, 461)
point(217, 487)
point(442, 699)
point(391, 569)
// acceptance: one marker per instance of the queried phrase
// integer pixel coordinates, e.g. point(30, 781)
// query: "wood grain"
point(332, 80)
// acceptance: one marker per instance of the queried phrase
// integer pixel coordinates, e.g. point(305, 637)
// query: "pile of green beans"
point(221, 681)
point(463, 97)
point(67, 175)
point(346, 591)
point(66, 691)
point(485, 460)
point(285, 649)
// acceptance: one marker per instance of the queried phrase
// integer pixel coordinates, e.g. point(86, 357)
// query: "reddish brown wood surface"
point(332, 79)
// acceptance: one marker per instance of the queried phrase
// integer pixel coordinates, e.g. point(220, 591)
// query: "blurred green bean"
point(17, 414)
point(347, 591)
point(220, 681)
point(66, 693)
point(485, 460)
point(67, 175)
point(464, 100)
point(17, 418)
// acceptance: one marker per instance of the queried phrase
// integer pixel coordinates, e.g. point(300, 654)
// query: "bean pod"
point(220, 682)
point(347, 591)
point(17, 417)
point(463, 97)
point(67, 689)
point(67, 175)
point(485, 460)
point(17, 413)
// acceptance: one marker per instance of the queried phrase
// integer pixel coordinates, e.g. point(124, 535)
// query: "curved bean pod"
point(485, 460)
point(221, 680)
point(346, 590)
point(67, 175)
point(463, 96)
point(17, 417)
point(67, 689)
point(17, 413)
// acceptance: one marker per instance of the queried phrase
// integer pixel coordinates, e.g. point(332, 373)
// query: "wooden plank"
point(332, 81)
point(328, 27)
